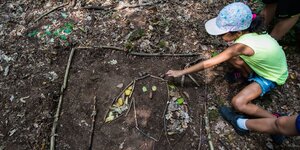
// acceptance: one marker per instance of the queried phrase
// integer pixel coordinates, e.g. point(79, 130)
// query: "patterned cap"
point(233, 17)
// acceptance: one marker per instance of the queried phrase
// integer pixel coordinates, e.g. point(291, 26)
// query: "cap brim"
point(212, 28)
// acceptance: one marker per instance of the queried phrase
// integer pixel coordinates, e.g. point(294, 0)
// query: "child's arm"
point(232, 51)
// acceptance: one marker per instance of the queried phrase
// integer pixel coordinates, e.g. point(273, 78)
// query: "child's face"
point(230, 36)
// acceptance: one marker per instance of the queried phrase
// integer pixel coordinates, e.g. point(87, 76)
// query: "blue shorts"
point(265, 84)
point(298, 123)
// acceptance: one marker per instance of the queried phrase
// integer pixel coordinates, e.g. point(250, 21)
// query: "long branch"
point(55, 122)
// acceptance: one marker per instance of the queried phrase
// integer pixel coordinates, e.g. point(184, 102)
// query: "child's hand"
point(174, 73)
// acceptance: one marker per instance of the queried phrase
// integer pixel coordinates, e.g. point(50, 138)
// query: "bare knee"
point(238, 103)
point(280, 124)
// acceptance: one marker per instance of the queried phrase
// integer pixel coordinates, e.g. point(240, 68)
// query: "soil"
point(34, 55)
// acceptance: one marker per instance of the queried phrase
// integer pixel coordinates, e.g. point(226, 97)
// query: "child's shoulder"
point(254, 37)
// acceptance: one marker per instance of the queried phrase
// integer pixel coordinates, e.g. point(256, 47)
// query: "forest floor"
point(112, 44)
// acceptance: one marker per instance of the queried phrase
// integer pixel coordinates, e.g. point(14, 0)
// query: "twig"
point(190, 76)
point(136, 5)
point(159, 78)
point(48, 12)
point(211, 147)
point(142, 77)
point(182, 80)
point(200, 134)
point(94, 7)
point(137, 126)
point(206, 121)
point(162, 54)
point(103, 47)
point(142, 53)
point(128, 108)
point(222, 142)
point(94, 113)
point(55, 122)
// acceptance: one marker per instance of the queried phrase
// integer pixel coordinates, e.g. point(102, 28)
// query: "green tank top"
point(269, 60)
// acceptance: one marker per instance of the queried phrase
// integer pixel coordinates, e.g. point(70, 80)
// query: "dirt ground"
point(34, 55)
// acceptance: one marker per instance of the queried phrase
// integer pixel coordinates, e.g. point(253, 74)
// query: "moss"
point(136, 34)
point(213, 115)
point(129, 45)
point(219, 101)
point(164, 23)
point(162, 43)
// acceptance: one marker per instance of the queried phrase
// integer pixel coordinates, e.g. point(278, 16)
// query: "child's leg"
point(268, 12)
point(239, 63)
point(283, 26)
point(283, 125)
point(242, 101)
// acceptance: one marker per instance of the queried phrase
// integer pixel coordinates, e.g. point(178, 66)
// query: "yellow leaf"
point(127, 92)
point(120, 102)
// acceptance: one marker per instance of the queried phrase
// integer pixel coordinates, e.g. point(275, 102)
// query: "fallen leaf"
point(154, 88)
point(144, 88)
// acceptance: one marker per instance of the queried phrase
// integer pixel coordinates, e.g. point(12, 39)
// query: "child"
point(258, 56)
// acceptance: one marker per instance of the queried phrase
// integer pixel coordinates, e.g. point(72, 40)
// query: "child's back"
point(269, 60)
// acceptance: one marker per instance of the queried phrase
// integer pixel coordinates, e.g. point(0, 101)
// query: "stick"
point(190, 76)
point(128, 108)
point(220, 140)
point(200, 130)
point(94, 113)
point(162, 54)
point(94, 7)
point(104, 47)
point(143, 77)
point(135, 5)
point(52, 140)
point(165, 122)
point(182, 80)
point(48, 12)
point(141, 54)
point(159, 78)
point(211, 147)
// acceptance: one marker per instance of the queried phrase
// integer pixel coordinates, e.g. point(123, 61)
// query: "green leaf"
point(48, 32)
point(180, 101)
point(162, 43)
point(214, 54)
point(63, 37)
point(64, 15)
point(57, 32)
point(144, 88)
point(172, 87)
point(51, 40)
point(67, 31)
point(69, 25)
point(33, 33)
